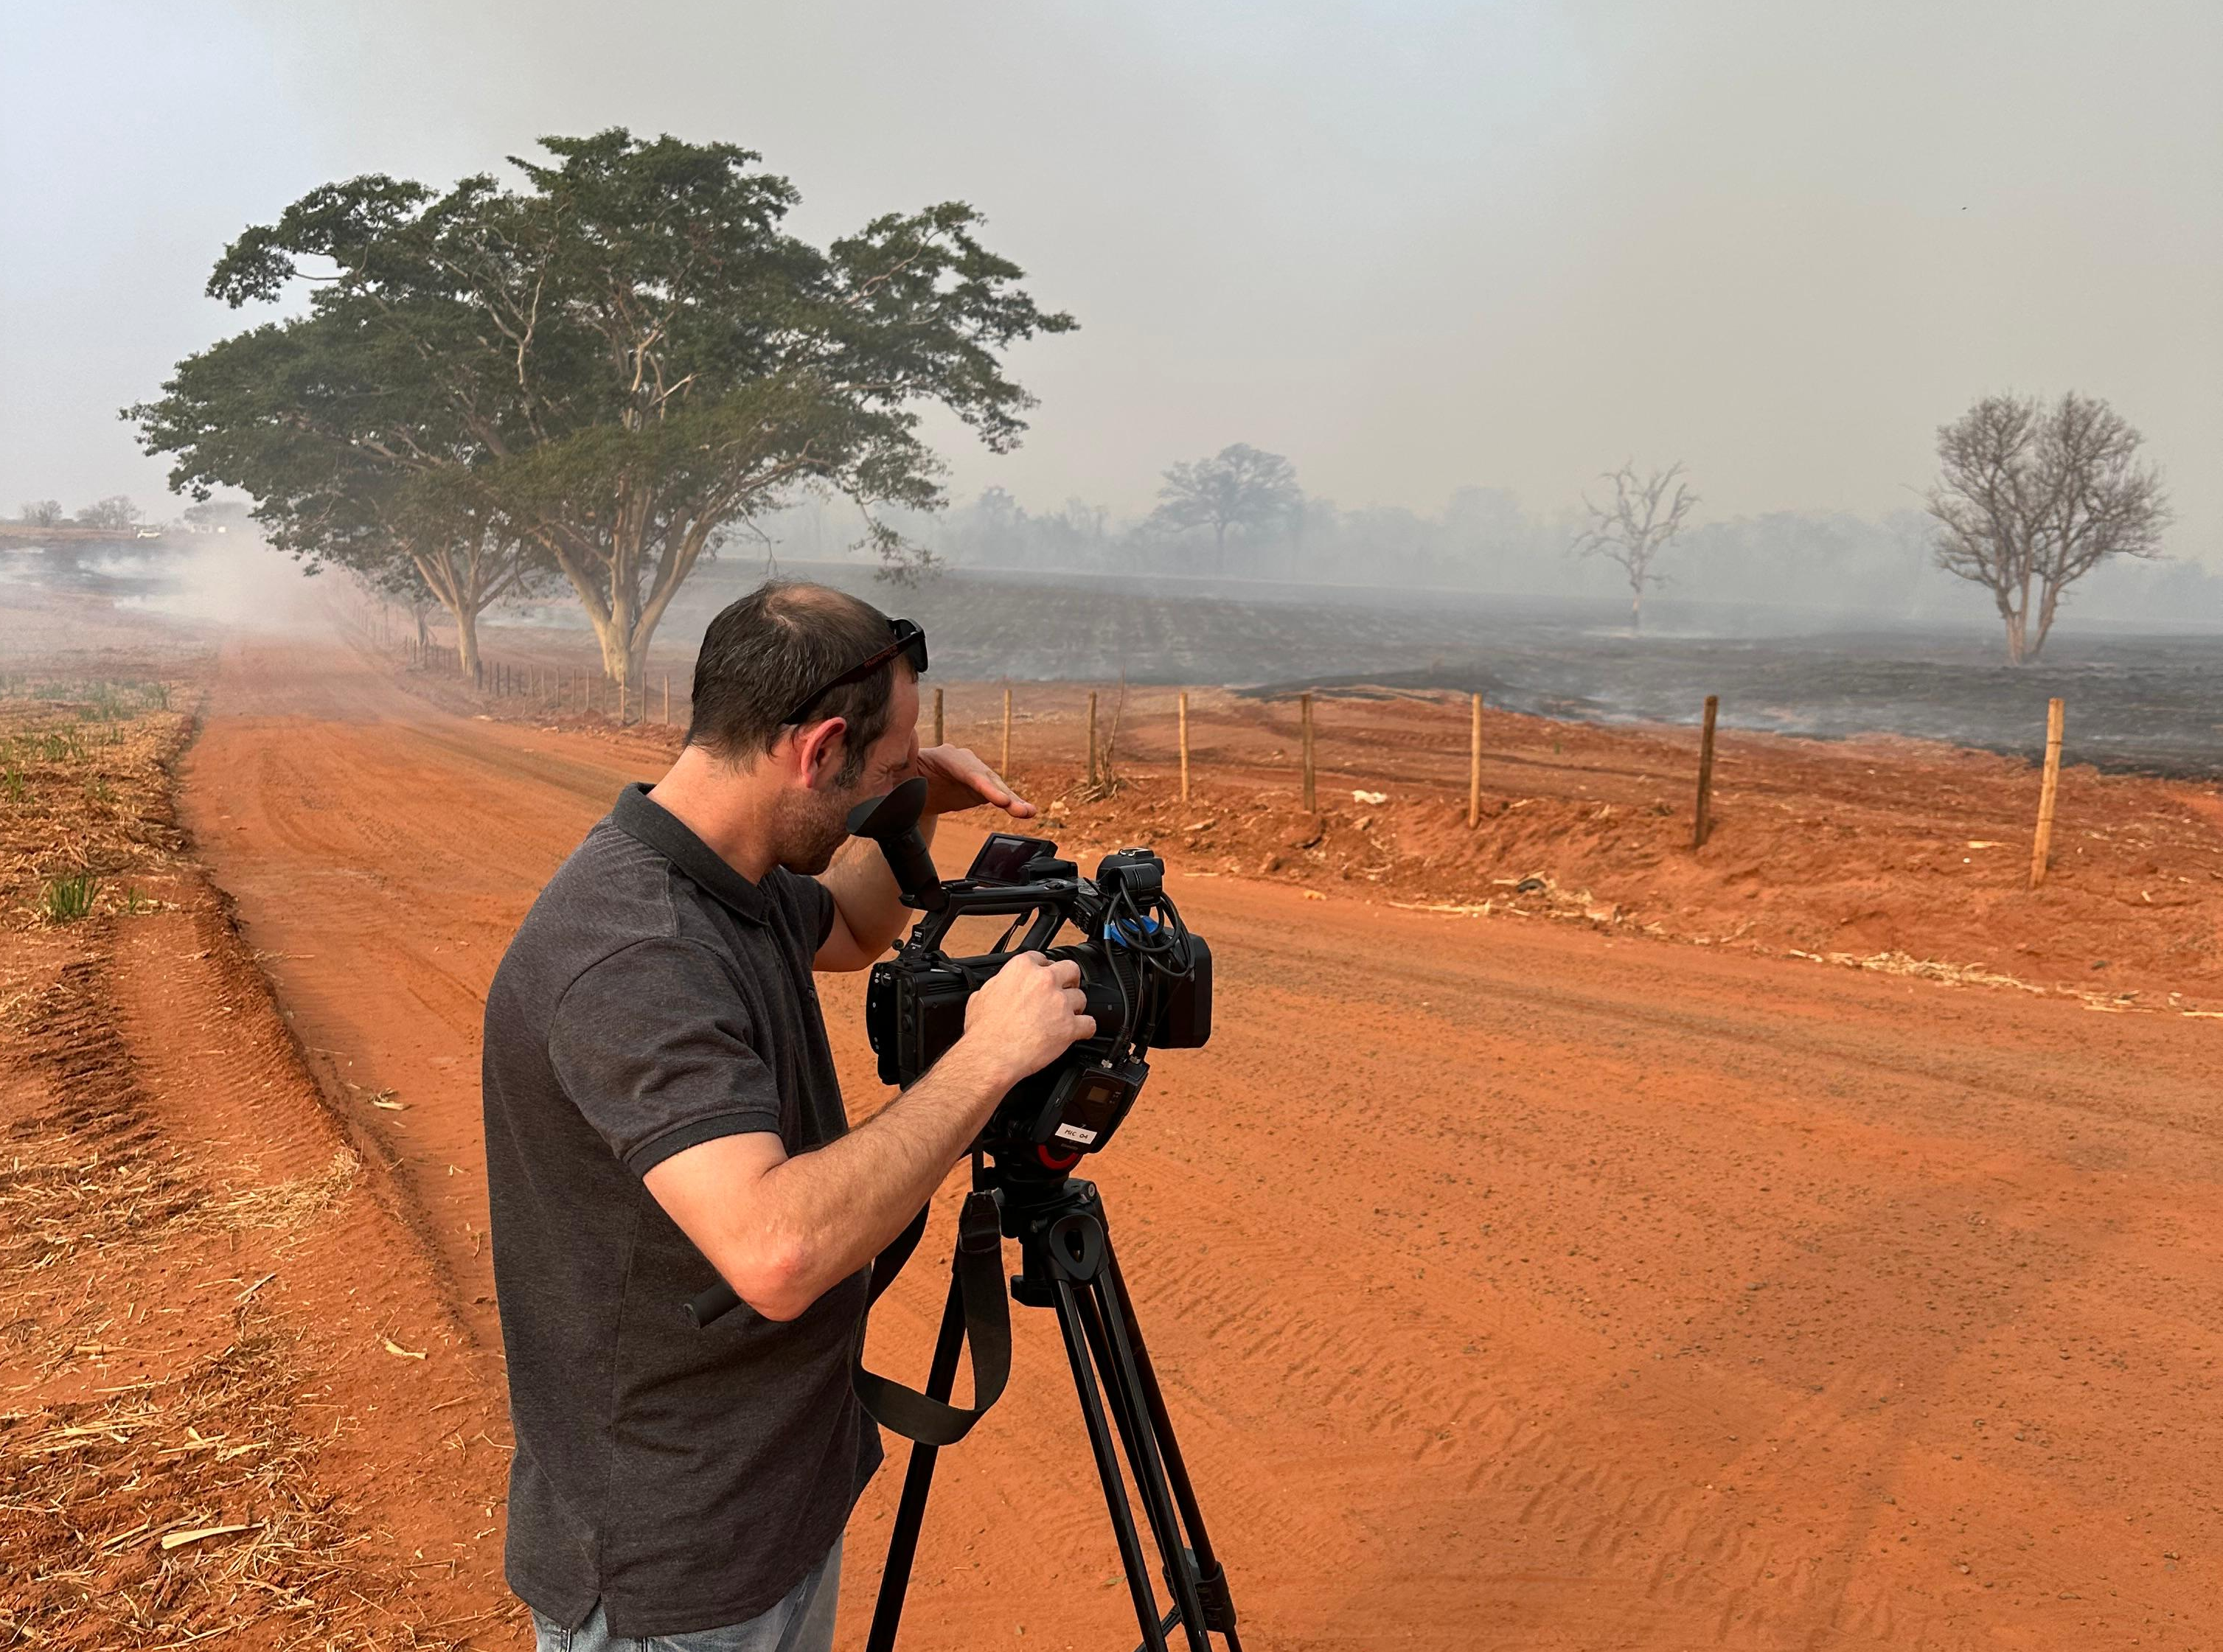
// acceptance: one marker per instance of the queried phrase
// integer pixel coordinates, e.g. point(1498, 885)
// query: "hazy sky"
point(1412, 246)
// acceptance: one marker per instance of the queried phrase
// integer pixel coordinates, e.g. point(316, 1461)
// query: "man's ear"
point(820, 749)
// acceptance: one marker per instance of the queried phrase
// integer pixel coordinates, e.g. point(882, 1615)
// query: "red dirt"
point(1515, 1286)
point(1891, 854)
point(1882, 850)
point(194, 1242)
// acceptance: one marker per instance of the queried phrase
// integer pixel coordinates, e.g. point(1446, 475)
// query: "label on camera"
point(1075, 1132)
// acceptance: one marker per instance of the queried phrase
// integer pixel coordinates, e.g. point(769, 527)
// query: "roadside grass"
point(68, 899)
point(85, 795)
point(181, 1508)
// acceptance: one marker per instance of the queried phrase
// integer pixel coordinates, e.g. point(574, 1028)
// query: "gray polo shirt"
point(653, 999)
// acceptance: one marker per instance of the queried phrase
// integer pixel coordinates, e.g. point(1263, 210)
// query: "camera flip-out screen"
point(1003, 857)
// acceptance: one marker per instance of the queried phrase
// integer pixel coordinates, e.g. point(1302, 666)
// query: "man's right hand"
point(784, 1231)
point(1030, 1014)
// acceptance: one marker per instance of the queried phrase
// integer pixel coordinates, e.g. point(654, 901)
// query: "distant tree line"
point(115, 514)
point(2032, 498)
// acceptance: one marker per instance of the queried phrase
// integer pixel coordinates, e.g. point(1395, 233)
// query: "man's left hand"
point(955, 780)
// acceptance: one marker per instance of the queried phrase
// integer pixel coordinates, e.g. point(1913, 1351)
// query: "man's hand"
point(955, 780)
point(784, 1231)
point(1027, 1014)
point(867, 913)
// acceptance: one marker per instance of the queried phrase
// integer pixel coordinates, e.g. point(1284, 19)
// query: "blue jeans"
point(801, 1622)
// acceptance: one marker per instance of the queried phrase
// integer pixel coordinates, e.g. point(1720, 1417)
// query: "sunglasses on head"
point(904, 638)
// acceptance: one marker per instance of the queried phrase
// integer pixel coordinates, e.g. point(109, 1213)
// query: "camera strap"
point(977, 1283)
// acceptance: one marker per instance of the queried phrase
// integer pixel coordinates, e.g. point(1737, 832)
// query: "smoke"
point(232, 580)
point(228, 582)
point(1412, 246)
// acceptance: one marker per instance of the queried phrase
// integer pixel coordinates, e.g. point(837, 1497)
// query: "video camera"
point(1147, 980)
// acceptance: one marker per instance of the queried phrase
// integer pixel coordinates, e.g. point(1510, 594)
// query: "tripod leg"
point(1219, 1605)
point(1107, 1341)
point(918, 1479)
point(1070, 1323)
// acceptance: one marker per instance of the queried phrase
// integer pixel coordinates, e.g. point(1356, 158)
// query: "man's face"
point(814, 820)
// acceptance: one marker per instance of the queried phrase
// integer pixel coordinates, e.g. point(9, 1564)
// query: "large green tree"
point(614, 362)
point(312, 417)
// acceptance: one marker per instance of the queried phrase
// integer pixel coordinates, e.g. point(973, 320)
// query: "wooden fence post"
point(1092, 736)
point(1184, 744)
point(1311, 799)
point(1474, 767)
point(667, 700)
point(1004, 767)
point(2041, 850)
point(937, 717)
point(1703, 822)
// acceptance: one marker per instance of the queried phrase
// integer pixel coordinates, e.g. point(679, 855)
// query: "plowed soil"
point(1515, 1284)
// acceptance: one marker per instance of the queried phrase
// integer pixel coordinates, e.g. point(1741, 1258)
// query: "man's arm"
point(784, 1231)
point(868, 909)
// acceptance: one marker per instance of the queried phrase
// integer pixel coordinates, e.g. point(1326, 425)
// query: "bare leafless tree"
point(2033, 496)
point(115, 514)
point(1632, 529)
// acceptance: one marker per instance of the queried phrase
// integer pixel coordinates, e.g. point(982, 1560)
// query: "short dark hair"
point(764, 653)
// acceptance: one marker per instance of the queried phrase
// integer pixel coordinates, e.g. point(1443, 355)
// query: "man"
point(662, 1110)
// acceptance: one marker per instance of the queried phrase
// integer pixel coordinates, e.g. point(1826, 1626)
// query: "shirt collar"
point(641, 817)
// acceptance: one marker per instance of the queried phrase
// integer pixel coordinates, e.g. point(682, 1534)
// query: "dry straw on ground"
point(184, 1507)
point(84, 778)
point(242, 1536)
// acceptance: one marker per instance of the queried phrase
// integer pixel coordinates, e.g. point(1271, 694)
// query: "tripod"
point(1066, 1263)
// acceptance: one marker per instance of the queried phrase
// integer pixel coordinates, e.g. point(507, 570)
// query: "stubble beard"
point(812, 834)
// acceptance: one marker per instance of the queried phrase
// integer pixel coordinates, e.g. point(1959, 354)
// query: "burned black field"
point(2136, 703)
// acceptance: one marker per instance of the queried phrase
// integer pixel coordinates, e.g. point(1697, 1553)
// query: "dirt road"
point(1514, 1286)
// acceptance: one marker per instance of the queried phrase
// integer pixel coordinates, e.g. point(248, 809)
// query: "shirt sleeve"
point(656, 1049)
